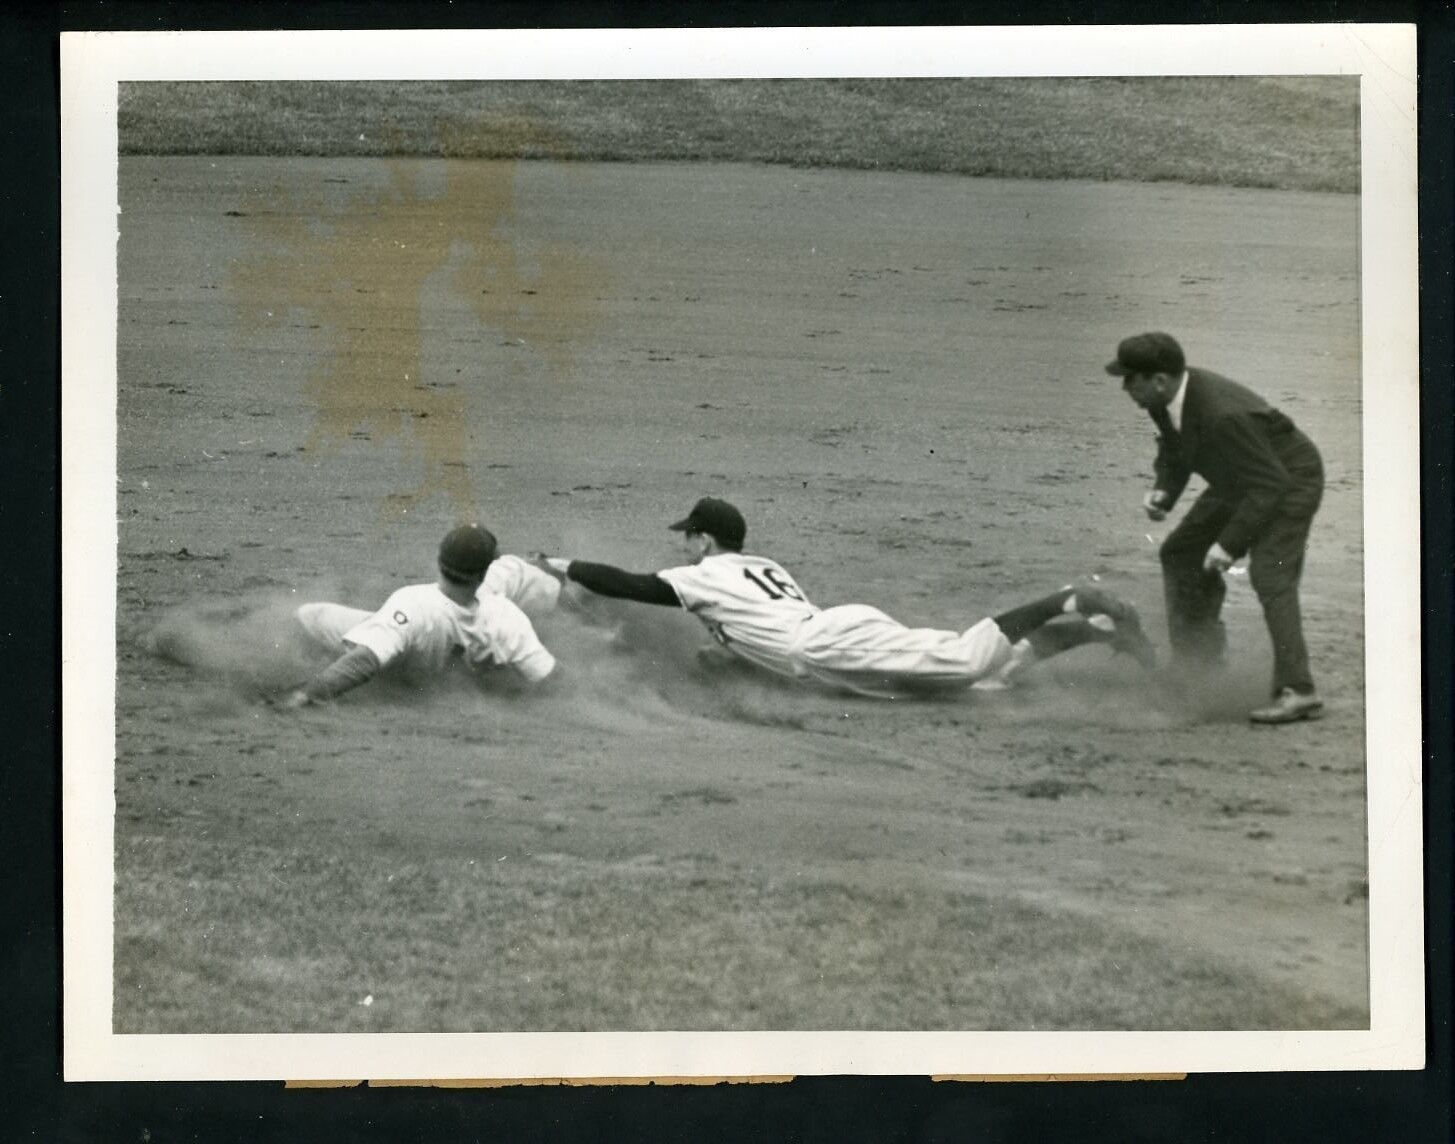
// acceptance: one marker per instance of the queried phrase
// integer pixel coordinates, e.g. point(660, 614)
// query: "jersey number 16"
point(773, 585)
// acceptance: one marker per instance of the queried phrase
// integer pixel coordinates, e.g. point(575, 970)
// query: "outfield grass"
point(526, 945)
point(1283, 132)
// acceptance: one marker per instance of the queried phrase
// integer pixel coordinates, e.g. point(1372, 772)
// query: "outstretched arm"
point(357, 665)
point(607, 580)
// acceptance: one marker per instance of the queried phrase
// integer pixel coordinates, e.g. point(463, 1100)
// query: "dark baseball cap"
point(1147, 353)
point(718, 519)
point(466, 552)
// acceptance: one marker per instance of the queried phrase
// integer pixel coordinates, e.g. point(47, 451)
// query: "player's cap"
point(1147, 353)
point(718, 519)
point(466, 552)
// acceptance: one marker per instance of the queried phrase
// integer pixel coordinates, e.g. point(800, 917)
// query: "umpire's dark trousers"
point(1275, 565)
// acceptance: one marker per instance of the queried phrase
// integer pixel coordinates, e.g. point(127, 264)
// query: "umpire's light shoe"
point(1289, 707)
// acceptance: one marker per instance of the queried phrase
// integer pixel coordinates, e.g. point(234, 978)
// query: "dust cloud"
point(253, 644)
point(627, 669)
point(624, 668)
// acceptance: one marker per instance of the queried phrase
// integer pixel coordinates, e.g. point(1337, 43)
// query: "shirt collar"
point(1174, 407)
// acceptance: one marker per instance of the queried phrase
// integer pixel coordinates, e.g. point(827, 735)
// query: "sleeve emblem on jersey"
point(400, 618)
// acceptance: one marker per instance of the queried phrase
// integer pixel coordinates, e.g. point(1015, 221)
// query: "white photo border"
point(1382, 55)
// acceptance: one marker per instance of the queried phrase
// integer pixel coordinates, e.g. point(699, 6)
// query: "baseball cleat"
point(1119, 620)
point(1094, 601)
point(1289, 707)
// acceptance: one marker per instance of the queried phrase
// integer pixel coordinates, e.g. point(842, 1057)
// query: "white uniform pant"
point(859, 648)
point(327, 624)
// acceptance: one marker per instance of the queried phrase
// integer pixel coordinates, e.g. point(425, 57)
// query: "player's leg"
point(858, 648)
point(862, 649)
point(1067, 632)
point(1050, 639)
point(327, 624)
point(985, 657)
point(1195, 596)
point(1076, 615)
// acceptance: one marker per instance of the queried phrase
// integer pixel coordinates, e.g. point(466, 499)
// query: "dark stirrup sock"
point(1019, 622)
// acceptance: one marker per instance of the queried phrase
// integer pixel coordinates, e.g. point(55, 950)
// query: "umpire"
point(1265, 480)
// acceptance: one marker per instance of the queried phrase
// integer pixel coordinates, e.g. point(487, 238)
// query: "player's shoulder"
point(705, 580)
point(733, 560)
point(737, 562)
point(725, 572)
point(708, 568)
point(413, 607)
point(419, 596)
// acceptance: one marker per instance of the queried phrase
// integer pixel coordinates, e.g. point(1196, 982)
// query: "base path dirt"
point(325, 364)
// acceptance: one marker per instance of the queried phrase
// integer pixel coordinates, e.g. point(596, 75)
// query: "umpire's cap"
point(1148, 353)
point(466, 552)
point(718, 519)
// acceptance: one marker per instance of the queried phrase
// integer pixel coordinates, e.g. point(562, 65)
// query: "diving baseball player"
point(468, 612)
point(757, 611)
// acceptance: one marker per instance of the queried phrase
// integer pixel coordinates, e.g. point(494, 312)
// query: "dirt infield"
point(325, 363)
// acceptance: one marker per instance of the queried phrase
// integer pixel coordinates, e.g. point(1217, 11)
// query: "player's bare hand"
point(1154, 504)
point(1216, 560)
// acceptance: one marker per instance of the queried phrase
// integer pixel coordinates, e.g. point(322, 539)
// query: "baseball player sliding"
point(757, 611)
point(475, 610)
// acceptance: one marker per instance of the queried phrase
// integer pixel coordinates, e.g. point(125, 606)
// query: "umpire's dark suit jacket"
point(1251, 455)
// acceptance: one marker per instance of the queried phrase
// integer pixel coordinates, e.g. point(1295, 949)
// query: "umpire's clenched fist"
point(1155, 504)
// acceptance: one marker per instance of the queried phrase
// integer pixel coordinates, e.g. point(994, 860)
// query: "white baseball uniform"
point(859, 648)
point(754, 608)
point(531, 590)
point(749, 604)
point(420, 623)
